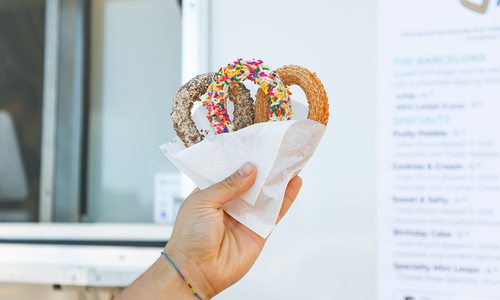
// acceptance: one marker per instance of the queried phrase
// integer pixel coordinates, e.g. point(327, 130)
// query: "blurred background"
point(400, 201)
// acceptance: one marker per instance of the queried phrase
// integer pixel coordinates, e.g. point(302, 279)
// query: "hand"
point(210, 247)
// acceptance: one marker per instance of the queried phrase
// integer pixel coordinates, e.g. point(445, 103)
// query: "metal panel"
point(51, 71)
point(138, 232)
point(64, 91)
point(71, 91)
point(196, 15)
point(96, 266)
point(101, 265)
point(196, 54)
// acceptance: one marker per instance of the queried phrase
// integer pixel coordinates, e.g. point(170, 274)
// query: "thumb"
point(230, 188)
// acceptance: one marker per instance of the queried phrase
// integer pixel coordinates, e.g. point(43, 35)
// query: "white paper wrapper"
point(278, 149)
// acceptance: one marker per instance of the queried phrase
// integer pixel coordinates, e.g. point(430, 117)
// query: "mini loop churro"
point(277, 94)
point(192, 91)
point(309, 83)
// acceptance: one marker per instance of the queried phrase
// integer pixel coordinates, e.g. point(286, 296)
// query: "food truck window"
point(85, 91)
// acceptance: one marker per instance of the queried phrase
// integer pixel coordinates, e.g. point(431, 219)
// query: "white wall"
point(325, 247)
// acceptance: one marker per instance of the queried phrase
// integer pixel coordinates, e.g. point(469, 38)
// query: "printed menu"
point(438, 160)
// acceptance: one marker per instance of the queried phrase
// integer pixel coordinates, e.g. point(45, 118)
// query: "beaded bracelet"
point(184, 278)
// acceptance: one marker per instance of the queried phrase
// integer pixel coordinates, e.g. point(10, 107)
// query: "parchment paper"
point(278, 149)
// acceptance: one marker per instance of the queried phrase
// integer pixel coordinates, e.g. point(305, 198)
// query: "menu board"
point(438, 160)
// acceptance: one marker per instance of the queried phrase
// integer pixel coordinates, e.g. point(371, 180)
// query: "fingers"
point(230, 188)
point(292, 190)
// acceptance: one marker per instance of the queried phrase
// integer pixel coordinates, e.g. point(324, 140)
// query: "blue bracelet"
point(180, 274)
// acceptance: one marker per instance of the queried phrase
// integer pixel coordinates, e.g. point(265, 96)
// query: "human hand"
point(210, 247)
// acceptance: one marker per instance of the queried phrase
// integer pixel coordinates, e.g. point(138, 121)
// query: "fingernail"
point(298, 181)
point(246, 169)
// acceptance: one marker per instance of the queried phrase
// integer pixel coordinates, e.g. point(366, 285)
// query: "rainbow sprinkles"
point(278, 95)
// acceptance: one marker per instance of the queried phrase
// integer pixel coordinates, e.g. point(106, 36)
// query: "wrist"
point(160, 281)
point(171, 284)
point(190, 270)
